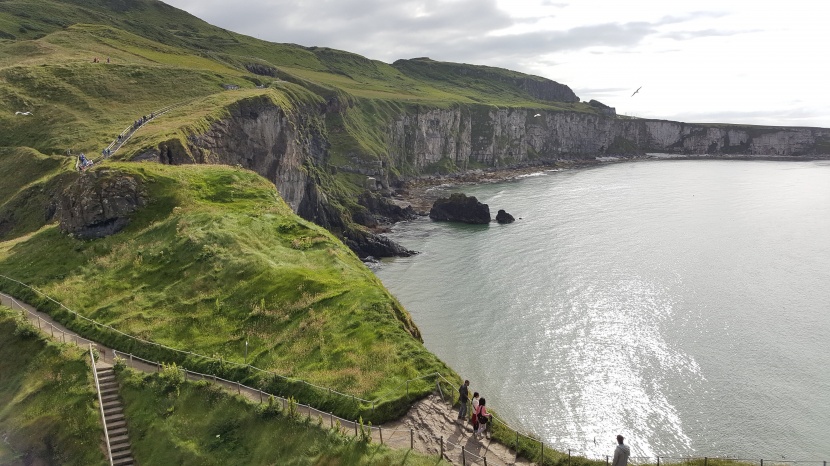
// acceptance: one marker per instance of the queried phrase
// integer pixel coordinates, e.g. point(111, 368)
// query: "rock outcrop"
point(99, 203)
point(460, 208)
point(504, 217)
point(380, 210)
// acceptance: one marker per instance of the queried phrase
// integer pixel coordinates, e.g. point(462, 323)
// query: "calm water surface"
point(685, 304)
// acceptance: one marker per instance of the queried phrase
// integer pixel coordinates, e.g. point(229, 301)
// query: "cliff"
point(494, 137)
point(312, 156)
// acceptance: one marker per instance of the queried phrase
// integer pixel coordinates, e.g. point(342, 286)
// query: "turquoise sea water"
point(685, 304)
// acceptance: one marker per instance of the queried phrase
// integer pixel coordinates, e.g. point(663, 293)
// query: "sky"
point(707, 61)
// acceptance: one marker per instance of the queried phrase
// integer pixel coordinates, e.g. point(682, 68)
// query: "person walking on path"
point(464, 398)
point(484, 418)
point(622, 453)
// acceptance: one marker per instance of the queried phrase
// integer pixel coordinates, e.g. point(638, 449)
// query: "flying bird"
point(22, 113)
point(537, 115)
point(638, 90)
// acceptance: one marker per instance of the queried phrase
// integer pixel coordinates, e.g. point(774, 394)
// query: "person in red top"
point(483, 416)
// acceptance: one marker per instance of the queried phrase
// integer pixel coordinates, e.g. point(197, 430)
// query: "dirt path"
point(429, 427)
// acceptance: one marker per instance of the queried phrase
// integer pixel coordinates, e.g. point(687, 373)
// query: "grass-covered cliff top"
point(217, 259)
point(159, 55)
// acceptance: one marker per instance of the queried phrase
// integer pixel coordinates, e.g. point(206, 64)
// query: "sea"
point(684, 304)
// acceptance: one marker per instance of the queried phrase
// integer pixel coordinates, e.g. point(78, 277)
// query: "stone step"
point(113, 403)
point(110, 397)
point(108, 413)
point(126, 461)
point(106, 379)
point(122, 454)
point(119, 447)
point(117, 432)
point(114, 426)
point(109, 391)
point(120, 438)
point(113, 418)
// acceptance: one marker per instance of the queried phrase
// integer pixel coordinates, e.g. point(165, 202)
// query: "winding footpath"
point(429, 427)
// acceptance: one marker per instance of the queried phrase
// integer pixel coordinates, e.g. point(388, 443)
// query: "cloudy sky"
point(733, 61)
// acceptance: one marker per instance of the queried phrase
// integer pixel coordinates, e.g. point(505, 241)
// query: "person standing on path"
point(622, 453)
point(464, 397)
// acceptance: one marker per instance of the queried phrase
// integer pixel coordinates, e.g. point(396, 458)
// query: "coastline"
point(420, 193)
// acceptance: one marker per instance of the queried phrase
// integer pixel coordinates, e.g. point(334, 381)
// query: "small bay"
point(682, 303)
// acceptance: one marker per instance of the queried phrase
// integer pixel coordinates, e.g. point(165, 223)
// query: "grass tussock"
point(176, 422)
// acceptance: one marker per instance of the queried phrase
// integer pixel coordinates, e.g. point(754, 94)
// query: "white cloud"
point(708, 60)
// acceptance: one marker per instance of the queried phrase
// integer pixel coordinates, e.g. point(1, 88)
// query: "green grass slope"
point(48, 413)
point(217, 259)
point(176, 422)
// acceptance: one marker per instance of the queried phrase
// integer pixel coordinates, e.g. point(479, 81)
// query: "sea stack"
point(504, 217)
point(460, 208)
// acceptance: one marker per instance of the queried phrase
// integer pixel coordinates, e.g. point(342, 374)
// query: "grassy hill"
point(48, 416)
point(216, 260)
point(47, 400)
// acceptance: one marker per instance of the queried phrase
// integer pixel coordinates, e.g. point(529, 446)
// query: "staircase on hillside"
point(114, 417)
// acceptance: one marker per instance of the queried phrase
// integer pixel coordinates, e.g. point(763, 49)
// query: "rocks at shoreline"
point(460, 208)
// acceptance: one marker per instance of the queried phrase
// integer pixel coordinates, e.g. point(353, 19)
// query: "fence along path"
point(441, 436)
point(128, 132)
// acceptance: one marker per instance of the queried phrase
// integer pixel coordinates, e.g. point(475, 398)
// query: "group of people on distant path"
point(481, 420)
point(83, 162)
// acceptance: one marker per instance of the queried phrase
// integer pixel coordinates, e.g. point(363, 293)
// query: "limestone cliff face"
point(261, 137)
point(292, 149)
point(497, 136)
point(257, 135)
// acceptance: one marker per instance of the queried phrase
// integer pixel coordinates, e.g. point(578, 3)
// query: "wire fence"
point(465, 452)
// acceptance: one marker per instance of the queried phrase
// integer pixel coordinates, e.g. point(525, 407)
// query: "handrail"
point(101, 405)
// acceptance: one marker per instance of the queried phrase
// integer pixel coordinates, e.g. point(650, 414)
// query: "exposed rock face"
point(262, 70)
point(365, 245)
point(504, 217)
point(99, 203)
point(497, 137)
point(381, 210)
point(604, 109)
point(545, 89)
point(460, 208)
point(292, 149)
point(259, 136)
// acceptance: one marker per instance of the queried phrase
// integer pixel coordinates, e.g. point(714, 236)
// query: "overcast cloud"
point(705, 61)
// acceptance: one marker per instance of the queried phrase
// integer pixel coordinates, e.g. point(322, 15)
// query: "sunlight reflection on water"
point(642, 299)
